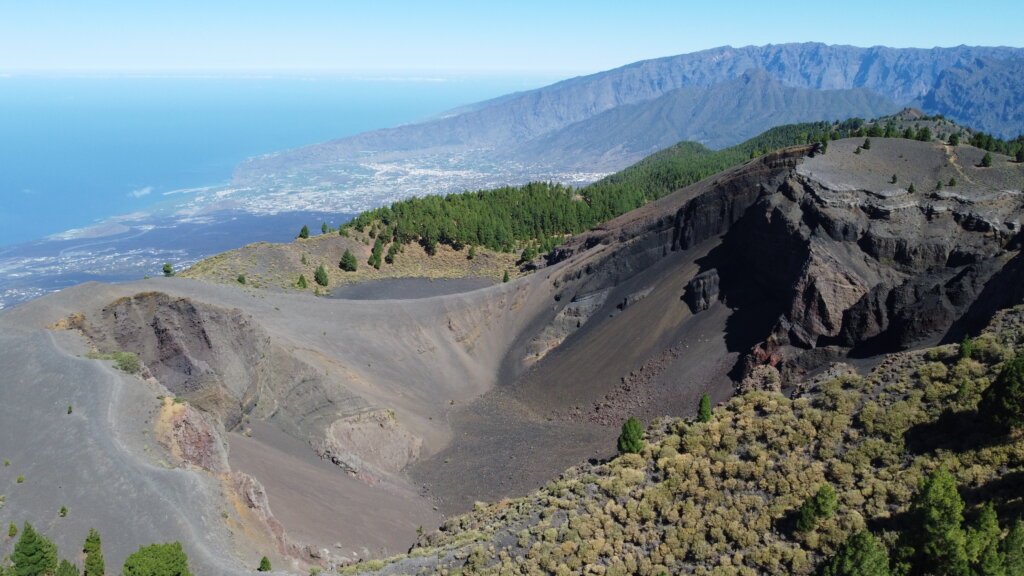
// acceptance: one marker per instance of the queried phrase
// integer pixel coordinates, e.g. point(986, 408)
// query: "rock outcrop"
point(702, 290)
point(369, 444)
point(838, 258)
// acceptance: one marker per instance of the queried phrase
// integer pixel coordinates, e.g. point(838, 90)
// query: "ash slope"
point(779, 264)
point(957, 82)
point(759, 274)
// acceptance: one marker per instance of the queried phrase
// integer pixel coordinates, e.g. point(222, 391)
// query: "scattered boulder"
point(702, 290)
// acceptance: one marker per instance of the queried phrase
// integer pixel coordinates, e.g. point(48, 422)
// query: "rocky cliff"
point(842, 259)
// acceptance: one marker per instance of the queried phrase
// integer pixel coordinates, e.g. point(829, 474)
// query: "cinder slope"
point(100, 461)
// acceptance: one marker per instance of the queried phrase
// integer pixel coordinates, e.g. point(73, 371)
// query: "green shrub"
point(631, 440)
point(157, 560)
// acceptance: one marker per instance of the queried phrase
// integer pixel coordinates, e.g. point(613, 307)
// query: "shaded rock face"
point(702, 290)
point(858, 268)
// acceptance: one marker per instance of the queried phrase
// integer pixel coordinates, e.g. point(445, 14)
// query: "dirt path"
point(954, 160)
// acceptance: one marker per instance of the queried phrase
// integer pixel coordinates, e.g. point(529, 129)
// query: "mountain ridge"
point(500, 140)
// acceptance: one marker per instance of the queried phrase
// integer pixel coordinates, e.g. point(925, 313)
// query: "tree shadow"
point(957, 432)
point(1004, 492)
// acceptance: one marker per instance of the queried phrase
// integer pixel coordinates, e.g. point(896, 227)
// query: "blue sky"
point(456, 36)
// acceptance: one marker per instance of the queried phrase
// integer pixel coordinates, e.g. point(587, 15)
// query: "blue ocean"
point(76, 150)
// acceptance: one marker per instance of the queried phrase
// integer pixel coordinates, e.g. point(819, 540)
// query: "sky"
point(457, 36)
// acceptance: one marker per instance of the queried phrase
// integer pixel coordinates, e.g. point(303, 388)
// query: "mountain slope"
point(987, 91)
point(471, 145)
point(716, 116)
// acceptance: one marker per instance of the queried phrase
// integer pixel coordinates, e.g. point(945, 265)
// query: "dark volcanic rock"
point(702, 290)
point(827, 247)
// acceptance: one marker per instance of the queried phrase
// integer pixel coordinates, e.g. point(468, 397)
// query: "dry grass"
point(278, 266)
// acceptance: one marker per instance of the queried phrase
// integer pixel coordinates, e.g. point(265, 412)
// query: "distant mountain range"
point(585, 126)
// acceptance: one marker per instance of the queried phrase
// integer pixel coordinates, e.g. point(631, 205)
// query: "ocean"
point(77, 150)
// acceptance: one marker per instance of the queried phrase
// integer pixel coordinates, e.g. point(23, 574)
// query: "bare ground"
point(322, 505)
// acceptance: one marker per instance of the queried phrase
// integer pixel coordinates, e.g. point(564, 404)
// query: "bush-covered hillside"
point(536, 216)
point(539, 214)
point(778, 485)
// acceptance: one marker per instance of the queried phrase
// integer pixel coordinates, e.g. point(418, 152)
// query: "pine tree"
point(986, 160)
point(1013, 549)
point(822, 505)
point(34, 554)
point(375, 254)
point(893, 179)
point(1003, 400)
point(348, 262)
point(304, 233)
point(631, 440)
point(320, 275)
point(704, 409)
point(302, 281)
point(264, 565)
point(472, 253)
point(323, 228)
point(1019, 157)
point(983, 544)
point(66, 568)
point(168, 269)
point(867, 144)
point(93, 548)
point(393, 251)
point(12, 530)
point(954, 139)
point(861, 555)
point(935, 542)
point(505, 277)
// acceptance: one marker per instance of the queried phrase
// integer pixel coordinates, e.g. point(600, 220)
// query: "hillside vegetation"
point(899, 470)
point(538, 215)
point(488, 233)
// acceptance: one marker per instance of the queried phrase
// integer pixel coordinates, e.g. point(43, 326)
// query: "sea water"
point(75, 150)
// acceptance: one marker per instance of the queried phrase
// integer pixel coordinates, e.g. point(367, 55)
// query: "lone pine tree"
point(348, 262)
point(631, 440)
